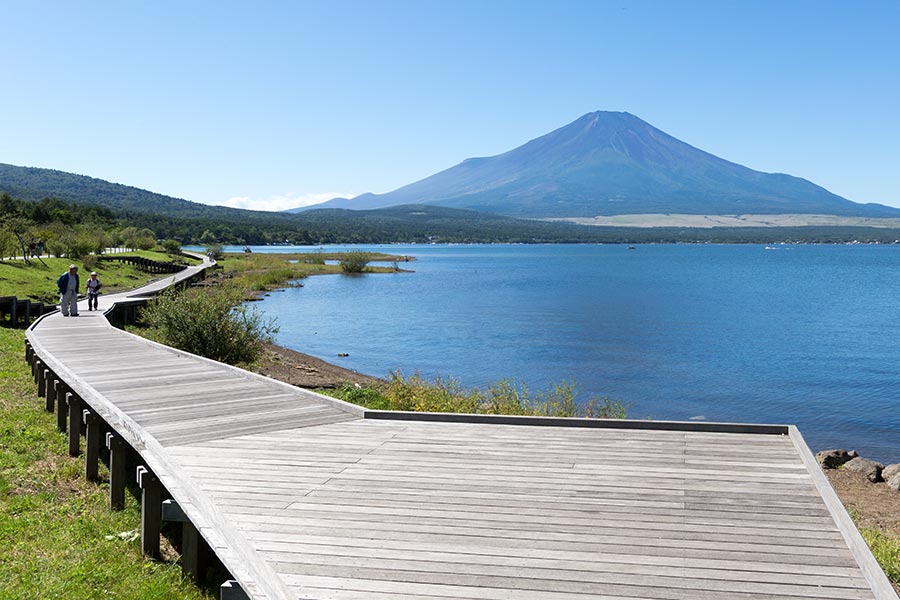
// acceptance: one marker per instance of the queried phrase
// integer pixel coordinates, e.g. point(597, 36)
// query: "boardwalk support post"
point(151, 512)
point(91, 445)
point(74, 404)
point(43, 376)
point(118, 457)
point(52, 387)
point(232, 590)
point(194, 551)
point(62, 407)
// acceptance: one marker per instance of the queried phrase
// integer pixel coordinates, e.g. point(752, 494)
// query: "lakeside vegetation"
point(886, 549)
point(413, 393)
point(261, 272)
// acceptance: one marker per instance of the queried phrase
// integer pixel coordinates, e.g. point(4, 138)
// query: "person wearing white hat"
point(68, 292)
point(93, 286)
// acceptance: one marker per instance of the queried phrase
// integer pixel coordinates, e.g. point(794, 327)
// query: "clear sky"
point(272, 105)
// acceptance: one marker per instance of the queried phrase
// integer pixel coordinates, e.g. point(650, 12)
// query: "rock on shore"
point(874, 471)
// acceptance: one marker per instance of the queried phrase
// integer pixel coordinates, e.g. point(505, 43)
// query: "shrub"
point(172, 247)
point(211, 323)
point(355, 262)
point(604, 408)
point(90, 262)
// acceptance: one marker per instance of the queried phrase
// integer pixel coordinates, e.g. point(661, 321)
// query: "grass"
point(503, 398)
point(886, 549)
point(36, 279)
point(260, 272)
point(58, 539)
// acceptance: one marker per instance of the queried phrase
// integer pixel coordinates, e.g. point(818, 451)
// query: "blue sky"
point(271, 105)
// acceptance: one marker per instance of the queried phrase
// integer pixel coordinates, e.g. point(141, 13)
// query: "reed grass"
point(506, 397)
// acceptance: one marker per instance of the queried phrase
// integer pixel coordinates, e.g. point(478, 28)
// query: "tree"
point(20, 227)
point(8, 243)
point(8, 206)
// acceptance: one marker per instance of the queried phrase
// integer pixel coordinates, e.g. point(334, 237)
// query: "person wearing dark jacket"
point(68, 292)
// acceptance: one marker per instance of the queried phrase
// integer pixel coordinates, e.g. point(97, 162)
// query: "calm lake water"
point(808, 335)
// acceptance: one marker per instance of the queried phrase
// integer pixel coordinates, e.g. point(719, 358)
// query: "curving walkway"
point(302, 496)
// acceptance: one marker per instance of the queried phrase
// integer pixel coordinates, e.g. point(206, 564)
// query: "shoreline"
point(307, 371)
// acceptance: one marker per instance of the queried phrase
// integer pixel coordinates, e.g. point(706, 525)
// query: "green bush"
point(90, 263)
point(355, 262)
point(172, 247)
point(209, 322)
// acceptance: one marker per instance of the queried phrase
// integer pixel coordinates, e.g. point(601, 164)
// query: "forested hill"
point(29, 183)
point(188, 221)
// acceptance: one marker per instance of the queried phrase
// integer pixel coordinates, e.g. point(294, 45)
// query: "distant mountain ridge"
point(33, 183)
point(613, 163)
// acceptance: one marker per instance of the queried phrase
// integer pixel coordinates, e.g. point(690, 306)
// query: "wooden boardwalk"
point(302, 496)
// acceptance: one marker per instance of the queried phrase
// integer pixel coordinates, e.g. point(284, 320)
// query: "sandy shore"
point(307, 371)
point(706, 221)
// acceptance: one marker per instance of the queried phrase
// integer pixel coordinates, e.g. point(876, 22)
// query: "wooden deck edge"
point(689, 426)
point(341, 405)
point(870, 568)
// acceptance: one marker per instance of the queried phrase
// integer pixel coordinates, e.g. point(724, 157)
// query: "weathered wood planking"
point(503, 511)
point(302, 496)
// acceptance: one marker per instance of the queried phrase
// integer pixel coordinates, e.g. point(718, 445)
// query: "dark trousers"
point(92, 301)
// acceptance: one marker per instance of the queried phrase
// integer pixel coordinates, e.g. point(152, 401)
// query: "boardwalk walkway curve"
point(303, 496)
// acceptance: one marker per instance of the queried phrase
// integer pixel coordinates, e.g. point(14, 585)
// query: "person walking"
point(68, 292)
point(93, 286)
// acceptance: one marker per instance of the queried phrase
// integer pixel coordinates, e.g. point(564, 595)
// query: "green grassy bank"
point(36, 279)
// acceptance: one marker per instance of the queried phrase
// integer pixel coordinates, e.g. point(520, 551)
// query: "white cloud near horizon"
point(283, 201)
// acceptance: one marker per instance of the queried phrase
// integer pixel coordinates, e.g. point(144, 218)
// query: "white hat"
point(72, 267)
point(93, 272)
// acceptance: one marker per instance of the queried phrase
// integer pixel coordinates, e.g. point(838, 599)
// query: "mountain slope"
point(609, 163)
point(31, 183)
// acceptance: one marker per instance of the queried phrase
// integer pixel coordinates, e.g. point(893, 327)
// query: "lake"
point(801, 334)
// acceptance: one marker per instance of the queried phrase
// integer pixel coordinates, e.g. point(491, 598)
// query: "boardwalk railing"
point(146, 264)
point(303, 496)
point(20, 311)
